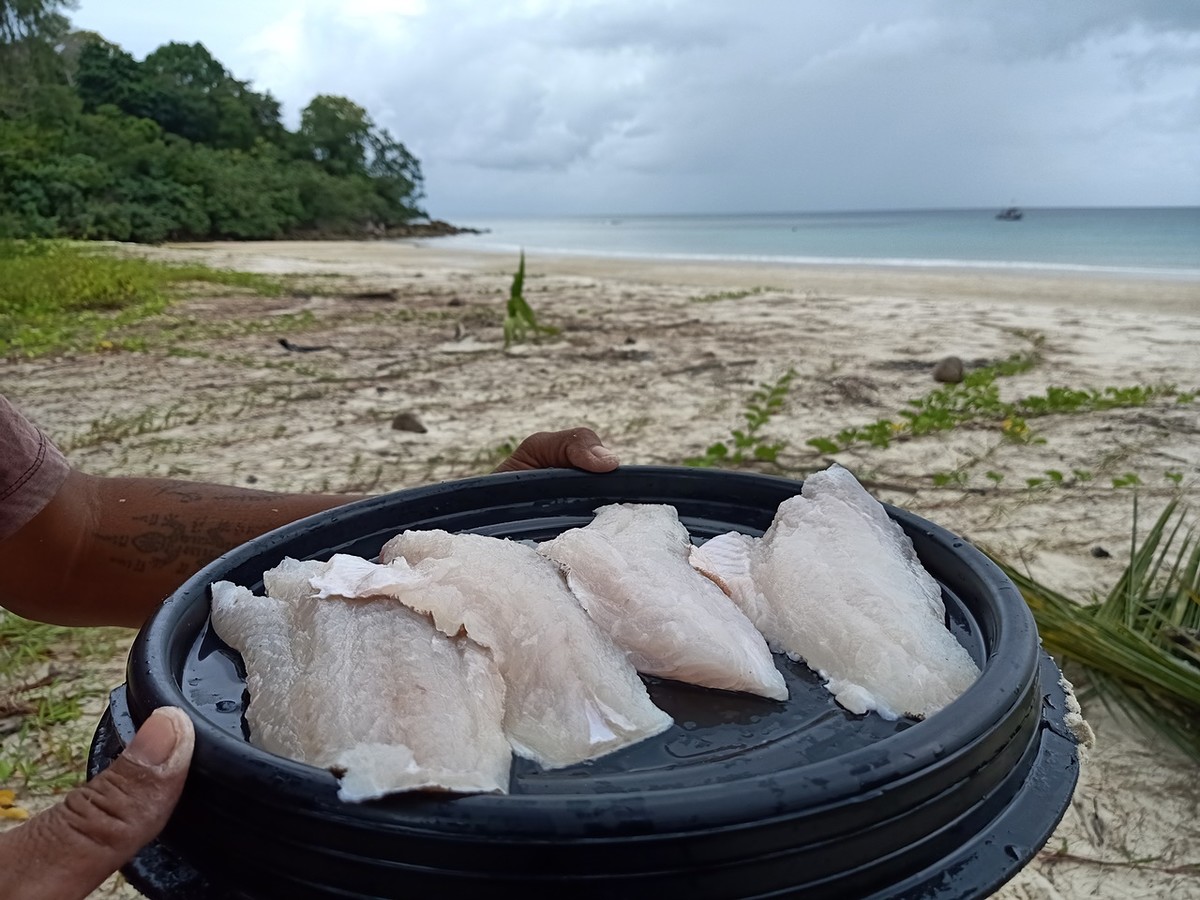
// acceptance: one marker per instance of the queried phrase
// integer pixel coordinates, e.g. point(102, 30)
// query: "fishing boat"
point(1012, 214)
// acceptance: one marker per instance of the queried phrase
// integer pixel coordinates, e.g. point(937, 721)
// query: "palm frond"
point(1140, 644)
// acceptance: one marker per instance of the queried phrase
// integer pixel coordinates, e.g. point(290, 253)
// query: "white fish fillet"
point(836, 582)
point(572, 694)
point(366, 688)
point(629, 568)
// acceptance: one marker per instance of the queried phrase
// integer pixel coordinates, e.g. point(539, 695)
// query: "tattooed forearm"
point(108, 550)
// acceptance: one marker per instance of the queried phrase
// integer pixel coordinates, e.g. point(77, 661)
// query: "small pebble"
point(948, 370)
point(408, 421)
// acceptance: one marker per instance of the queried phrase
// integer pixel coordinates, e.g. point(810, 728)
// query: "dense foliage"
point(97, 145)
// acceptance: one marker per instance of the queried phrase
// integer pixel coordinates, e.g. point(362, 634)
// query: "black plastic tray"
point(742, 797)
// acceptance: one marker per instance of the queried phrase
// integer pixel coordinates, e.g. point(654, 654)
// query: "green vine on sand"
point(974, 401)
point(977, 400)
point(746, 444)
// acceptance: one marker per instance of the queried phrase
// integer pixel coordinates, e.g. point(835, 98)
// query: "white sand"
point(660, 377)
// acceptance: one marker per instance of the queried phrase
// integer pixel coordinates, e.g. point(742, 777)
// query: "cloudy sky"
point(543, 107)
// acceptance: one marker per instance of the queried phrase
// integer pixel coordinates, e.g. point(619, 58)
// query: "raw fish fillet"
point(366, 688)
point(836, 582)
point(572, 694)
point(629, 568)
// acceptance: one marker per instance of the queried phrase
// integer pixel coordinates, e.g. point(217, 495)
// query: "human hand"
point(578, 448)
point(65, 852)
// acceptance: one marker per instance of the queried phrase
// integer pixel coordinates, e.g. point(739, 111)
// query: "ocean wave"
point(1032, 266)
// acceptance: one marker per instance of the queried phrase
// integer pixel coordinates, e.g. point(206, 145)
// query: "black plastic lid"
point(742, 797)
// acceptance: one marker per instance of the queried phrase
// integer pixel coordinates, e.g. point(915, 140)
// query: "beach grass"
point(58, 296)
point(49, 676)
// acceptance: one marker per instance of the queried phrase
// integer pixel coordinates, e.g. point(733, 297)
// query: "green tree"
point(334, 131)
point(43, 20)
point(182, 83)
point(175, 147)
point(396, 174)
point(340, 137)
point(107, 75)
point(183, 88)
point(30, 31)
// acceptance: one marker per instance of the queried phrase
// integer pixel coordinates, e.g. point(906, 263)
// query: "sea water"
point(1162, 242)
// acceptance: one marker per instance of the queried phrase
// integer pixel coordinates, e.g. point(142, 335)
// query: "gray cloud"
point(546, 106)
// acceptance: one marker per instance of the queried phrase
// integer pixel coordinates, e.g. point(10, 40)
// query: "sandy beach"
point(660, 358)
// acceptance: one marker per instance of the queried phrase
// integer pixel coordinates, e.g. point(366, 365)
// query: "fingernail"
point(605, 454)
point(156, 740)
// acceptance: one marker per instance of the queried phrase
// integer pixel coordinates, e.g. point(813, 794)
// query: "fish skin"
point(366, 688)
point(836, 583)
point(572, 694)
point(629, 568)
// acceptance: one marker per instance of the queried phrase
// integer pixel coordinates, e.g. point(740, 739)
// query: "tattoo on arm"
point(164, 540)
point(183, 495)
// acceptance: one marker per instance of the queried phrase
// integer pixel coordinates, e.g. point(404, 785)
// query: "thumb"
point(585, 451)
point(580, 448)
point(65, 852)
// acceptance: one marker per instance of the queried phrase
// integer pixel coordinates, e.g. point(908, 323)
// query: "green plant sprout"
point(519, 318)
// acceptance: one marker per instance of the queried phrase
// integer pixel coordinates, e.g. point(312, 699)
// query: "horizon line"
point(810, 212)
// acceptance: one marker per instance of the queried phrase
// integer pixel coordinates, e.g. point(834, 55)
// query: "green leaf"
point(518, 282)
point(767, 452)
point(823, 445)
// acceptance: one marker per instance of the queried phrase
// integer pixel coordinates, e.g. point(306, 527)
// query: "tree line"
point(95, 144)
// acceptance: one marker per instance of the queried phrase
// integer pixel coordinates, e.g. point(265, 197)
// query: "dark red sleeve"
point(31, 470)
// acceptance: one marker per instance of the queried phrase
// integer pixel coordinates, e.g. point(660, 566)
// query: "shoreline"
point(1036, 287)
point(866, 264)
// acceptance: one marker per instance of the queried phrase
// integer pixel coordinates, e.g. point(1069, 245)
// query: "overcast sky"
point(542, 107)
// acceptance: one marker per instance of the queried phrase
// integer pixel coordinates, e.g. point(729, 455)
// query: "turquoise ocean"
point(1161, 242)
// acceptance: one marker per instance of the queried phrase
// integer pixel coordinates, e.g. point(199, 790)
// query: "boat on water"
point(1012, 214)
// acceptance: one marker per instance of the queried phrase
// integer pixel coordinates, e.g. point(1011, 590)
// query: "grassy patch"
point(57, 296)
point(49, 678)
